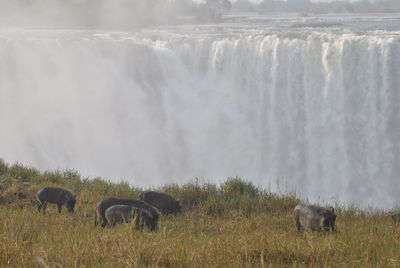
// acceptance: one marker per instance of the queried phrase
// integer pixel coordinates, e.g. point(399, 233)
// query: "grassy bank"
point(232, 225)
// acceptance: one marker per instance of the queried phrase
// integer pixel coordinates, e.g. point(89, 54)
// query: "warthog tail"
point(95, 219)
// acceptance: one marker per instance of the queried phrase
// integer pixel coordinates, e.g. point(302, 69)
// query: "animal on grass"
point(314, 218)
point(396, 216)
point(55, 195)
point(118, 214)
point(164, 202)
point(104, 204)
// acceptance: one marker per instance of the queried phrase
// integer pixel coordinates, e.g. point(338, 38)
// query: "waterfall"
point(315, 111)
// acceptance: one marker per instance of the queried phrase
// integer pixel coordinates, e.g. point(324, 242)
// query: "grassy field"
point(232, 225)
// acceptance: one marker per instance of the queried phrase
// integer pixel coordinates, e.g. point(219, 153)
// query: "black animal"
point(55, 195)
point(314, 218)
point(396, 216)
point(117, 214)
point(164, 202)
point(104, 204)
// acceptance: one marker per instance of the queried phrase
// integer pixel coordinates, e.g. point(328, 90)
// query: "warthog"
point(123, 214)
point(55, 195)
point(396, 216)
point(164, 202)
point(314, 218)
point(104, 204)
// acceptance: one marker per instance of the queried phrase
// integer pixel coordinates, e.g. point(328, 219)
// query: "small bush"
point(234, 196)
point(191, 194)
point(236, 186)
point(23, 173)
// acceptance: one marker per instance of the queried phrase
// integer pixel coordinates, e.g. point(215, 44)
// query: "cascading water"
point(317, 110)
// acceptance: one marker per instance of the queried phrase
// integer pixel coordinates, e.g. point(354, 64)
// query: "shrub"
point(191, 194)
point(23, 173)
point(236, 186)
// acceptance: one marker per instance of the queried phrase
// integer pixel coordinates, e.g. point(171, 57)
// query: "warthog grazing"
point(123, 214)
point(396, 216)
point(54, 195)
point(314, 218)
point(165, 203)
point(104, 204)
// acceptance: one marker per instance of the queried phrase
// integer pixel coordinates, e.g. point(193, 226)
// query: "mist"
point(321, 6)
point(116, 14)
point(291, 103)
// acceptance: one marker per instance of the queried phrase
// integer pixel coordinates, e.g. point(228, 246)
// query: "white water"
point(316, 108)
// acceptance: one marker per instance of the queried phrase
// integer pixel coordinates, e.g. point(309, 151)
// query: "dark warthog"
point(314, 218)
point(54, 195)
point(396, 216)
point(165, 203)
point(104, 204)
point(123, 214)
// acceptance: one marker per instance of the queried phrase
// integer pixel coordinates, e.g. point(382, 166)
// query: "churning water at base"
point(311, 103)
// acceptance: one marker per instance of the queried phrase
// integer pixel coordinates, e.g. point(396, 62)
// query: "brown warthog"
point(104, 204)
point(314, 218)
point(164, 202)
point(55, 195)
point(117, 214)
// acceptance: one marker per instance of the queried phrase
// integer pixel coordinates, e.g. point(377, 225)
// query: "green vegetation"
point(235, 224)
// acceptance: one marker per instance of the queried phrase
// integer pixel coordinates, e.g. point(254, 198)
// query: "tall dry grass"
point(232, 225)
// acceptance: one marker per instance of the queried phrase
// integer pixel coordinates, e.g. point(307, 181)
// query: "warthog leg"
point(44, 205)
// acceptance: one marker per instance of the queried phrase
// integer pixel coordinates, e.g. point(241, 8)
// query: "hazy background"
point(131, 14)
point(154, 92)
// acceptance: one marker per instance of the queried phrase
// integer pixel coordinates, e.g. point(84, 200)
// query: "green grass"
point(232, 225)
